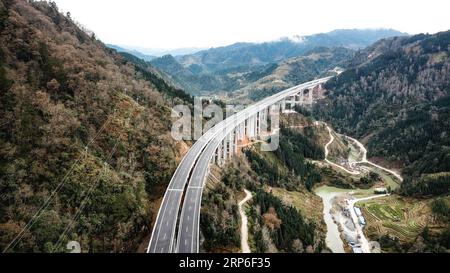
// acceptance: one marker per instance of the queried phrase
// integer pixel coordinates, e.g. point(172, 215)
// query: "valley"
point(339, 205)
point(89, 157)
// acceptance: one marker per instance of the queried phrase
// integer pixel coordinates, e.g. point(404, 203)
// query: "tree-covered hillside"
point(234, 67)
point(396, 95)
point(244, 54)
point(84, 140)
point(294, 71)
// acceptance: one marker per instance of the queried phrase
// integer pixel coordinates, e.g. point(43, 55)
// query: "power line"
point(33, 219)
point(83, 203)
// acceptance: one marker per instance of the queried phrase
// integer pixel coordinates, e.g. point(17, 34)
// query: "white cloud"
point(205, 23)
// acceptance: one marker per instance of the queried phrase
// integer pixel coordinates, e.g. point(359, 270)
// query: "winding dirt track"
point(327, 152)
point(364, 157)
point(365, 246)
point(244, 227)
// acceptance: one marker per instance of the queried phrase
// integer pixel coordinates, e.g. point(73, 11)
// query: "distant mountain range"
point(136, 53)
point(251, 54)
point(154, 52)
point(225, 69)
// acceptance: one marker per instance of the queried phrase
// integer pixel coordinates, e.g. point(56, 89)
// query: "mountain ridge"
point(396, 95)
point(220, 69)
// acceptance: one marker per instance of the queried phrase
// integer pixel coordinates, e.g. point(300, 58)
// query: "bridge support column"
point(246, 128)
point(236, 140)
point(229, 145)
point(224, 151)
point(258, 125)
point(254, 125)
point(219, 155)
point(263, 123)
point(213, 158)
point(242, 131)
point(249, 128)
point(283, 105)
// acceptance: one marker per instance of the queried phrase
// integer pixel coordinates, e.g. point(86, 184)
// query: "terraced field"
point(395, 216)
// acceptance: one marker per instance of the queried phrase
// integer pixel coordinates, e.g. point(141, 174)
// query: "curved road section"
point(188, 231)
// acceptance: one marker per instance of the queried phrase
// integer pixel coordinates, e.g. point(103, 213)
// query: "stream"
point(339, 214)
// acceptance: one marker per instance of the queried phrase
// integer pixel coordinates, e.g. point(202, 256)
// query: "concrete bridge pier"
point(283, 105)
point(230, 143)
point(241, 131)
point(250, 127)
point(224, 151)
point(255, 126)
point(235, 133)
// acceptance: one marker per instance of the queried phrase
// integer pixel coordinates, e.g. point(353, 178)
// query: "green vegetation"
point(401, 98)
point(294, 148)
point(79, 125)
point(368, 180)
point(385, 212)
point(441, 209)
point(307, 203)
point(274, 226)
point(143, 70)
point(286, 224)
point(258, 66)
point(299, 172)
point(408, 225)
point(428, 184)
point(296, 70)
point(219, 221)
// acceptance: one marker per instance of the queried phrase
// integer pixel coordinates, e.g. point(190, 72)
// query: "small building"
point(380, 191)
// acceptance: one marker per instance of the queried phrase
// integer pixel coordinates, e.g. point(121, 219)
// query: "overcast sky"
point(172, 24)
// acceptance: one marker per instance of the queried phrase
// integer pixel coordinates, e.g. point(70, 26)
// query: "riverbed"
point(333, 237)
point(339, 214)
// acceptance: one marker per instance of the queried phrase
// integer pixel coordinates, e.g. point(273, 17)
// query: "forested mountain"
point(185, 78)
point(245, 54)
point(84, 140)
point(397, 97)
point(233, 67)
point(253, 83)
point(293, 71)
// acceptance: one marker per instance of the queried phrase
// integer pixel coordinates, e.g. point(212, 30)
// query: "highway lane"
point(163, 234)
point(189, 224)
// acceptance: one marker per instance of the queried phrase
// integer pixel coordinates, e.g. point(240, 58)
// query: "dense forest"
point(292, 153)
point(396, 94)
point(84, 140)
point(219, 218)
point(273, 225)
point(289, 230)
